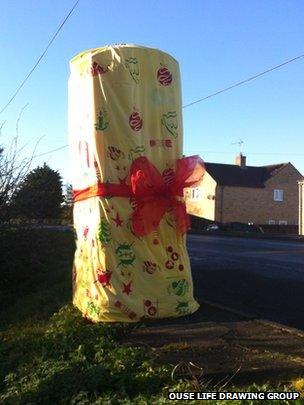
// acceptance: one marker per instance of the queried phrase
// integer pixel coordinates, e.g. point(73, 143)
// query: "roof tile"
point(247, 176)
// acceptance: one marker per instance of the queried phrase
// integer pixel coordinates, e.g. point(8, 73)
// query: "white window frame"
point(278, 195)
point(282, 222)
point(196, 193)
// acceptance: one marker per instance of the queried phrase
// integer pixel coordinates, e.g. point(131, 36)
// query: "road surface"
point(257, 276)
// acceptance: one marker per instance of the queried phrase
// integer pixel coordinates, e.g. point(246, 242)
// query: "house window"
point(196, 193)
point(282, 222)
point(278, 195)
point(271, 222)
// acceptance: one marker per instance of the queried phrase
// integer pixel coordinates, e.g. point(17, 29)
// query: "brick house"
point(301, 207)
point(241, 193)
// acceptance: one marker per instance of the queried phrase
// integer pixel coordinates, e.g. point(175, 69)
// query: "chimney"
point(240, 160)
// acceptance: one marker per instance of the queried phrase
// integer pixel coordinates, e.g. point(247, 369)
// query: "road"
point(261, 277)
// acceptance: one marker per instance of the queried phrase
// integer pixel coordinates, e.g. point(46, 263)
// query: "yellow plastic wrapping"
point(125, 102)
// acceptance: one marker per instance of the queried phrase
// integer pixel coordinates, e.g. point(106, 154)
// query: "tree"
point(12, 173)
point(39, 195)
point(67, 206)
point(13, 170)
point(68, 195)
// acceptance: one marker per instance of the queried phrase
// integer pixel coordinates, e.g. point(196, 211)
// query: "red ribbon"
point(153, 197)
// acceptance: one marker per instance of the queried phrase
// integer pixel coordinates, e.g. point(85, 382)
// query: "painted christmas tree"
point(104, 232)
point(101, 123)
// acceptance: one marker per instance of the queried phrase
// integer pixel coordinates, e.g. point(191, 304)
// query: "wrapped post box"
point(125, 134)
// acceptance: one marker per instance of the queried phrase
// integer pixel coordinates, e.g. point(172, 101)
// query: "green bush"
point(25, 254)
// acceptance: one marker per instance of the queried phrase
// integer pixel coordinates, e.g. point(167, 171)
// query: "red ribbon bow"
point(152, 196)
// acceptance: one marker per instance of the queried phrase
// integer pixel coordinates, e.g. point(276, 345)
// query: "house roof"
point(247, 176)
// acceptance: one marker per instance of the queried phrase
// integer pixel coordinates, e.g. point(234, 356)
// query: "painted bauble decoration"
point(168, 176)
point(115, 153)
point(169, 264)
point(135, 121)
point(164, 76)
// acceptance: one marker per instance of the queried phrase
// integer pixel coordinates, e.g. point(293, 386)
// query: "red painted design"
point(169, 264)
point(123, 180)
point(88, 294)
point(149, 267)
point(85, 318)
point(117, 220)
point(104, 278)
point(134, 203)
point(164, 76)
point(152, 311)
point(108, 210)
point(125, 310)
point(127, 288)
point(135, 121)
point(150, 307)
point(168, 175)
point(97, 171)
point(174, 256)
point(155, 237)
point(165, 143)
point(85, 232)
point(97, 69)
point(115, 153)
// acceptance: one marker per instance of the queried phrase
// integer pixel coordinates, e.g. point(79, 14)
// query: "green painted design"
point(104, 232)
point(182, 308)
point(169, 121)
point(102, 122)
point(136, 152)
point(179, 287)
point(92, 309)
point(132, 65)
point(125, 254)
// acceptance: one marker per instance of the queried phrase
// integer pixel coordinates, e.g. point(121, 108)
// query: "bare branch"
point(18, 119)
point(13, 168)
point(1, 126)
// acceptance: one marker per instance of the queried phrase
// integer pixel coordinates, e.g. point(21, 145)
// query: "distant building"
point(301, 207)
point(241, 193)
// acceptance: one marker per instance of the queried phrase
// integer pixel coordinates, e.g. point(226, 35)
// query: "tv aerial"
point(240, 142)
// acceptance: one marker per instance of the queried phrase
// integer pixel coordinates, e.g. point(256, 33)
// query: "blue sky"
point(217, 43)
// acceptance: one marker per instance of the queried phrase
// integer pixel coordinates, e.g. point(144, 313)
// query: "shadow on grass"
point(36, 274)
